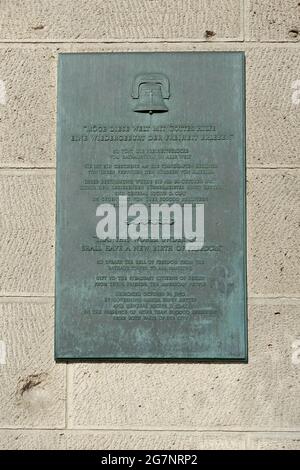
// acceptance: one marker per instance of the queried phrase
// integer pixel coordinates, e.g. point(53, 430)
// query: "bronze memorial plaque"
point(150, 242)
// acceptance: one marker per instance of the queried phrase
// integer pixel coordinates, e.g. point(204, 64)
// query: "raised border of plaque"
point(151, 209)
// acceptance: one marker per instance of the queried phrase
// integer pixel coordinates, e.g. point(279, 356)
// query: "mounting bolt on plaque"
point(151, 90)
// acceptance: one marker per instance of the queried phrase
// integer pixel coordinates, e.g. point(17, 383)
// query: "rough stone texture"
point(27, 225)
point(275, 441)
point(147, 440)
point(32, 392)
point(107, 440)
point(273, 232)
point(273, 120)
point(27, 121)
point(27, 232)
point(31, 440)
point(164, 440)
point(272, 20)
point(79, 20)
point(262, 394)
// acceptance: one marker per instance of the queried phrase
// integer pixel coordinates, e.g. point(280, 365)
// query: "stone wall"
point(124, 405)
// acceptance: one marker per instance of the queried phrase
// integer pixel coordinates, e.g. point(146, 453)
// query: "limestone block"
point(123, 20)
point(273, 232)
point(162, 440)
point(24, 439)
point(272, 97)
point(123, 440)
point(27, 117)
point(272, 20)
point(32, 392)
point(27, 226)
point(273, 106)
point(275, 441)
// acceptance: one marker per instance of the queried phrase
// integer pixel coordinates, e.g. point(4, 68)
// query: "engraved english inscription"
point(150, 207)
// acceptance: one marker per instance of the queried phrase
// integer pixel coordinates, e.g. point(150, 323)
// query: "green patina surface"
point(158, 128)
